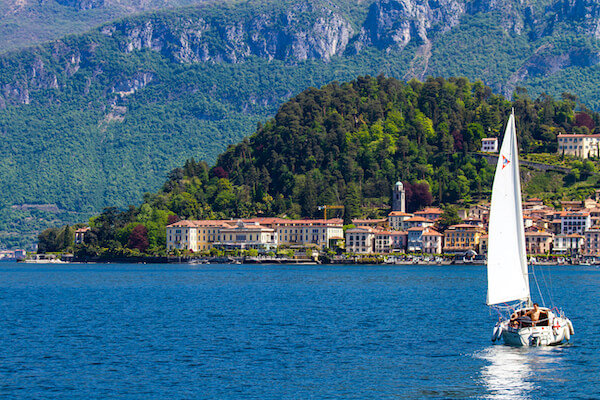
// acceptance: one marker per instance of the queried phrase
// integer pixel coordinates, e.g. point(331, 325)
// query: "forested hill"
point(347, 143)
point(98, 119)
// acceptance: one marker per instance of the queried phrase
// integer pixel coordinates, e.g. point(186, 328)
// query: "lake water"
point(281, 332)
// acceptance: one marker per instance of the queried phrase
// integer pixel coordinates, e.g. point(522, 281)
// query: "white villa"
point(579, 145)
point(489, 145)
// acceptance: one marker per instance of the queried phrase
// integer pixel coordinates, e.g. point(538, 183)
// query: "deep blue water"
point(281, 332)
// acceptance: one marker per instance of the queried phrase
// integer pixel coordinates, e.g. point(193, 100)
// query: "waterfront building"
point(538, 242)
point(592, 241)
point(314, 232)
point(594, 215)
point(360, 240)
point(208, 231)
point(424, 239)
point(396, 219)
point(388, 241)
point(383, 242)
point(415, 239)
point(260, 233)
point(399, 240)
point(20, 254)
point(574, 222)
point(489, 145)
point(568, 244)
point(462, 237)
point(246, 236)
point(195, 235)
point(79, 237)
point(483, 244)
point(432, 241)
point(399, 197)
point(182, 235)
point(579, 145)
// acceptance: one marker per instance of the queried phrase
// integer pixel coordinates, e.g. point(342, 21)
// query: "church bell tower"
point(398, 197)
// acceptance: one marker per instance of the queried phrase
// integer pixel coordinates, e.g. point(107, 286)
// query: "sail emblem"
point(505, 162)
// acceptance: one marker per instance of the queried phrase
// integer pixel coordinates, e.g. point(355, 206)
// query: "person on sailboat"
point(520, 321)
point(534, 314)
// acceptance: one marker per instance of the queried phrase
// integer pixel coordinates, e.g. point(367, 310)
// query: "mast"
point(519, 206)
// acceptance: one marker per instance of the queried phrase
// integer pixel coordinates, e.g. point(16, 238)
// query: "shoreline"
point(280, 261)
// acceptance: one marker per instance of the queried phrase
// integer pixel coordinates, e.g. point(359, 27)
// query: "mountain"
point(95, 120)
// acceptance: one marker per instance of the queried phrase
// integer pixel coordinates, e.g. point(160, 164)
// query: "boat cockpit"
point(523, 318)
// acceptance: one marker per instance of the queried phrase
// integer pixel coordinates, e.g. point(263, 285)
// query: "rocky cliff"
point(304, 30)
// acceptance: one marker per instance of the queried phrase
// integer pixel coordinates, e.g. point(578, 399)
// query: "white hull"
point(557, 332)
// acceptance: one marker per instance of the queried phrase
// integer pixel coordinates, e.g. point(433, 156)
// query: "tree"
point(48, 241)
point(67, 237)
point(352, 203)
point(308, 198)
point(417, 195)
point(448, 218)
point(172, 218)
point(138, 239)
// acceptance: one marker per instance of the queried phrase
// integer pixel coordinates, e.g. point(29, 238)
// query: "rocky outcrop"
point(585, 13)
point(82, 4)
point(394, 23)
point(134, 83)
point(38, 70)
point(285, 35)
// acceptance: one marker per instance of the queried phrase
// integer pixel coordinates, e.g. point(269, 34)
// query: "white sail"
point(507, 261)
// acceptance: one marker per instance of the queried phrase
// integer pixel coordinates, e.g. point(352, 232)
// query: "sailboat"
point(521, 322)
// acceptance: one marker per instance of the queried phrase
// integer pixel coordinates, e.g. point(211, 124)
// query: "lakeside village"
point(569, 235)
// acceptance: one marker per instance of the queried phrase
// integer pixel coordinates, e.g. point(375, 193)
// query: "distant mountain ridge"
point(98, 119)
point(295, 31)
point(30, 22)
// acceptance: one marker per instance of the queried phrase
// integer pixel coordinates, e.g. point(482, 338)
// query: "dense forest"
point(347, 144)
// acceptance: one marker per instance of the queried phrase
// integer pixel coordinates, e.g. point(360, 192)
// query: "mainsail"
point(507, 262)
